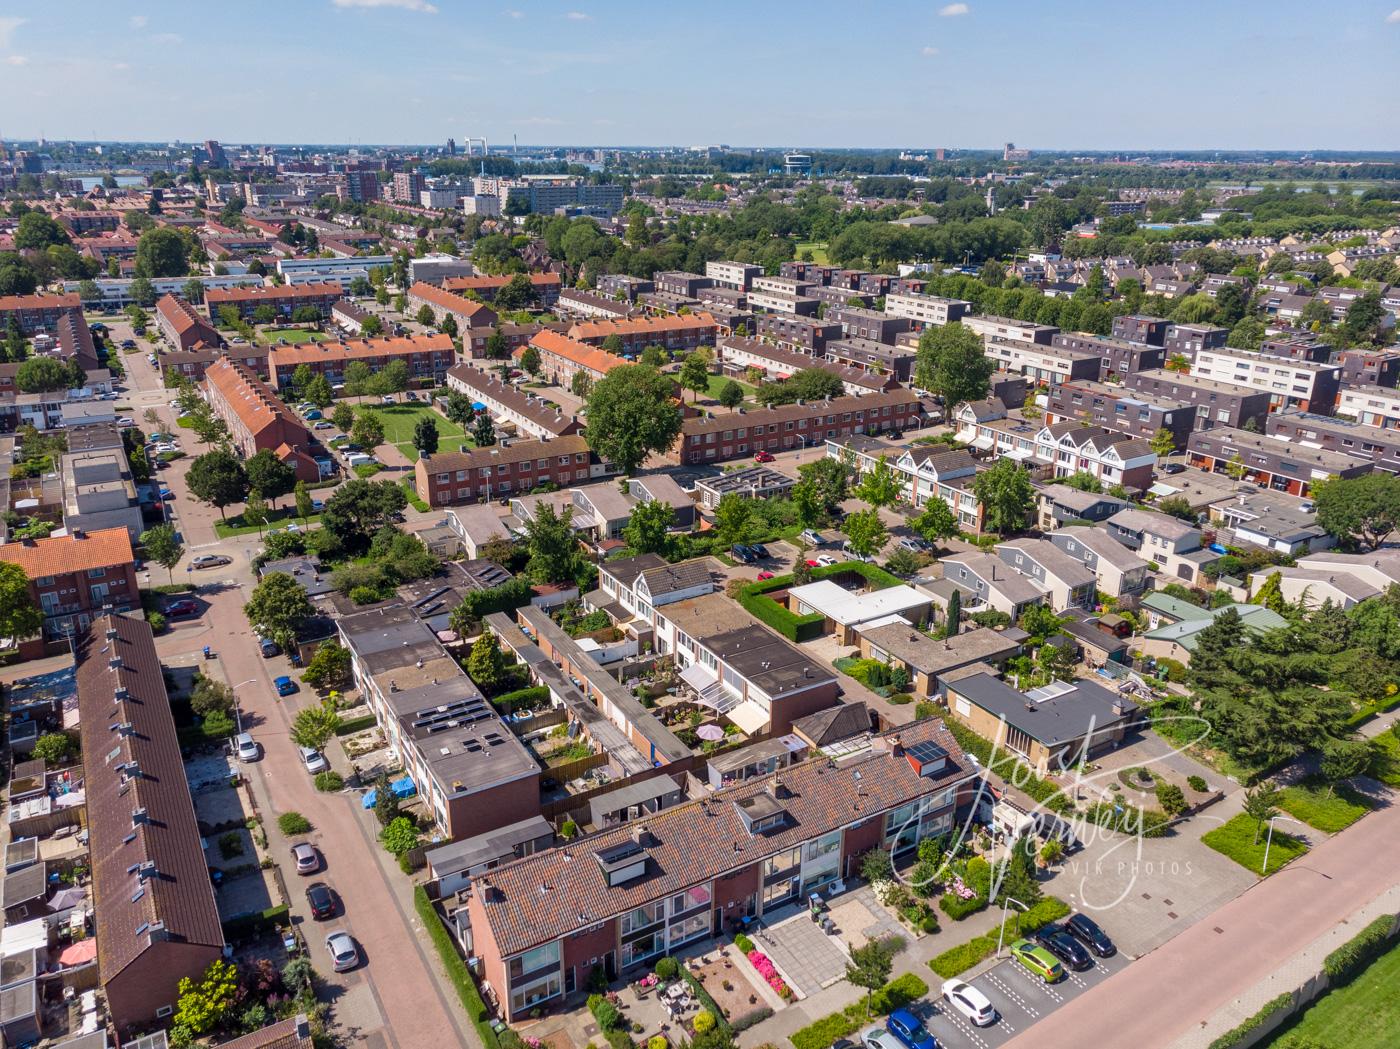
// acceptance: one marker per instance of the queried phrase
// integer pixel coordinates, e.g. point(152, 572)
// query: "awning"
point(749, 716)
point(78, 953)
point(477, 406)
point(984, 442)
point(1019, 454)
point(698, 677)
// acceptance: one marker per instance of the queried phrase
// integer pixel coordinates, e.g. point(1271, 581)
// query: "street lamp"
point(237, 715)
point(1264, 868)
point(1002, 935)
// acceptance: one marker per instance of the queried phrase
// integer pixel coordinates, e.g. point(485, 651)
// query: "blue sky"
point(1062, 74)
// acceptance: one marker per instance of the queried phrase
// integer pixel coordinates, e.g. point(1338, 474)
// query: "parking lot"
point(1020, 998)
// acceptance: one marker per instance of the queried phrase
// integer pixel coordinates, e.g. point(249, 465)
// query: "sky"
point(1062, 74)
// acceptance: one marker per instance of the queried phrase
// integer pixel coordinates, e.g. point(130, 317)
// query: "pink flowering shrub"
point(761, 962)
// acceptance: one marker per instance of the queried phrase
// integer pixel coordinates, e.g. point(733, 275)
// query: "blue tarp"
point(477, 406)
point(402, 788)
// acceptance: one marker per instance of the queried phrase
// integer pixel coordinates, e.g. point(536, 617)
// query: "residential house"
point(1370, 405)
point(1011, 330)
point(449, 478)
point(991, 584)
point(925, 310)
point(1270, 462)
point(1117, 571)
point(1170, 545)
point(98, 489)
point(1043, 363)
point(776, 302)
point(1216, 403)
point(1363, 367)
point(585, 304)
point(1176, 625)
point(284, 299)
point(257, 419)
point(649, 488)
point(562, 358)
point(1117, 357)
point(1111, 457)
point(931, 662)
point(1290, 383)
point(1335, 433)
point(74, 578)
point(1275, 522)
point(682, 332)
point(1127, 411)
point(469, 316)
point(546, 287)
point(1186, 340)
point(753, 482)
point(737, 275)
point(427, 358)
point(37, 314)
point(182, 325)
point(878, 357)
point(807, 334)
point(737, 355)
point(859, 323)
point(1059, 504)
point(511, 407)
point(1066, 581)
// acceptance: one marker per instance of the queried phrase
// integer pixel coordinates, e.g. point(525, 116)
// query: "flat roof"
point(849, 607)
point(1061, 712)
point(458, 856)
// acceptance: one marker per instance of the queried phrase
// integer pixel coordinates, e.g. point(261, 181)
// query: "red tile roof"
point(179, 313)
point(539, 280)
point(251, 399)
point(641, 325)
point(445, 300)
point(214, 297)
point(496, 455)
point(355, 349)
point(58, 555)
point(41, 302)
point(571, 350)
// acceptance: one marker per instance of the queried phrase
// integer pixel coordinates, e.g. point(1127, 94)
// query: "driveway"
point(808, 958)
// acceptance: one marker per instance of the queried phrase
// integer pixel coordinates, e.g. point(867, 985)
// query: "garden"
point(400, 420)
point(1245, 840)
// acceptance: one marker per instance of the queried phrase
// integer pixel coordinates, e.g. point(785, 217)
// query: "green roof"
point(1175, 607)
point(1255, 618)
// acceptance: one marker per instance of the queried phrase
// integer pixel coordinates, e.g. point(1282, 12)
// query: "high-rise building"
point(408, 185)
point(451, 147)
point(215, 153)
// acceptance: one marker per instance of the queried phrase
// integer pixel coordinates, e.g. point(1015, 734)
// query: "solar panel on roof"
point(927, 752)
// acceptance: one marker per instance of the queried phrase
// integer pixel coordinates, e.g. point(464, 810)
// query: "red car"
point(811, 563)
point(183, 607)
point(765, 575)
point(763, 457)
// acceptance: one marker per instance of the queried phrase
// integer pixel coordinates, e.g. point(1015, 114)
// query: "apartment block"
point(1307, 385)
point(777, 302)
point(182, 325)
point(1151, 331)
point(858, 323)
point(627, 286)
point(450, 478)
point(873, 356)
point(36, 313)
point(1370, 367)
point(257, 419)
point(1009, 328)
point(737, 355)
point(683, 332)
point(561, 358)
point(470, 316)
point(736, 275)
point(1337, 434)
point(678, 282)
point(1117, 357)
point(792, 287)
point(427, 358)
point(284, 299)
point(1187, 340)
point(1270, 462)
point(1216, 403)
point(1370, 405)
point(1041, 362)
point(73, 578)
point(585, 304)
point(1127, 411)
point(98, 489)
point(546, 286)
point(808, 334)
point(923, 311)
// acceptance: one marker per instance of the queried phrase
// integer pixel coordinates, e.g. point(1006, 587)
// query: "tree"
point(733, 518)
point(368, 431)
point(357, 377)
point(269, 476)
point(386, 802)
point(1040, 622)
point(1082, 480)
point(952, 364)
point(15, 345)
point(301, 377)
point(1270, 595)
point(201, 1007)
point(1364, 317)
point(42, 374)
point(54, 748)
point(400, 836)
point(731, 395)
point(554, 551)
point(20, 617)
point(255, 511)
point(313, 726)
point(1162, 442)
point(343, 417)
point(392, 378)
point(486, 662)
point(652, 356)
point(1261, 804)
point(306, 315)
point(530, 361)
point(497, 346)
point(278, 607)
point(449, 325)
point(516, 294)
point(870, 966)
point(264, 314)
point(954, 614)
point(318, 391)
point(830, 479)
point(209, 428)
point(163, 546)
point(1342, 759)
point(580, 384)
point(459, 408)
point(425, 316)
point(329, 667)
point(880, 487)
point(865, 532)
point(372, 325)
point(359, 509)
point(646, 530)
point(695, 374)
point(37, 231)
point(484, 431)
point(218, 478)
point(631, 414)
point(1363, 509)
point(936, 522)
point(808, 504)
point(162, 252)
point(1056, 662)
point(1006, 495)
point(425, 436)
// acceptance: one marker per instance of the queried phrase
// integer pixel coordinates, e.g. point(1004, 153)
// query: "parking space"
point(1020, 999)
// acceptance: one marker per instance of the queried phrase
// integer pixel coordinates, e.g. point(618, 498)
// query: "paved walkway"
point(808, 958)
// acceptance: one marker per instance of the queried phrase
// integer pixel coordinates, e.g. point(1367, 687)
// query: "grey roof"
point(1134, 520)
point(766, 660)
point(24, 885)
point(669, 579)
point(833, 724)
point(626, 570)
point(998, 575)
point(1275, 516)
point(663, 488)
point(305, 570)
point(607, 502)
point(1080, 707)
point(923, 653)
point(639, 792)
point(463, 855)
point(1074, 499)
point(1055, 561)
point(1102, 544)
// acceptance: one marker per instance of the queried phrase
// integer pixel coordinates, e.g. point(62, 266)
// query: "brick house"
point(182, 325)
point(73, 577)
point(427, 357)
point(37, 313)
point(285, 299)
point(449, 478)
point(257, 419)
point(470, 316)
point(681, 332)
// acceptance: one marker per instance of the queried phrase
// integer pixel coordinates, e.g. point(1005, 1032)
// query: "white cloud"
point(929, 52)
point(139, 21)
point(407, 5)
point(1393, 18)
point(121, 67)
point(167, 38)
point(7, 29)
point(578, 16)
point(17, 60)
point(953, 10)
point(515, 14)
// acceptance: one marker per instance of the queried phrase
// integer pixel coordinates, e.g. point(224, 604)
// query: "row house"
point(877, 357)
point(1336, 434)
point(182, 325)
point(808, 271)
point(1169, 545)
point(474, 343)
point(561, 358)
point(1117, 357)
point(737, 355)
point(73, 578)
point(923, 311)
point(1136, 327)
point(679, 282)
point(575, 303)
point(925, 472)
point(776, 302)
point(625, 286)
point(1112, 458)
point(192, 364)
point(849, 279)
point(858, 323)
point(784, 427)
point(1186, 340)
point(1370, 405)
point(622, 898)
point(449, 478)
point(1043, 363)
point(1008, 328)
point(838, 297)
point(989, 584)
point(730, 298)
point(792, 287)
point(37, 313)
point(1065, 580)
point(80, 222)
point(1371, 367)
point(736, 275)
point(808, 334)
point(427, 358)
point(349, 317)
point(469, 315)
point(1137, 414)
point(1290, 383)
point(257, 419)
point(546, 287)
point(1270, 462)
point(510, 406)
point(1215, 403)
point(1301, 346)
point(1118, 572)
point(1058, 505)
point(683, 332)
point(1213, 282)
point(285, 299)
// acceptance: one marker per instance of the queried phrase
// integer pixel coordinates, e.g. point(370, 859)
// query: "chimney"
point(896, 746)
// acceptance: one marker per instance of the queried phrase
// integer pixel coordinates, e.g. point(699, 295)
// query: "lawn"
point(1386, 764)
point(1311, 803)
point(1364, 1014)
point(717, 382)
point(276, 518)
point(1235, 839)
point(294, 336)
point(816, 247)
point(400, 419)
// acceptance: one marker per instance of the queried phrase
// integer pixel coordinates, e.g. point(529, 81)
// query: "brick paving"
point(806, 956)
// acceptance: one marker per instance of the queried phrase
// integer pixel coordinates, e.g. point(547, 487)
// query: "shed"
point(634, 801)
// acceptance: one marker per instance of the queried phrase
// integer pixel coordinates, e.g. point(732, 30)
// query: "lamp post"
point(1004, 907)
point(237, 714)
point(1264, 868)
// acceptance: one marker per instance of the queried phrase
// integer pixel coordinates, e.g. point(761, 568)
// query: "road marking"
point(1013, 995)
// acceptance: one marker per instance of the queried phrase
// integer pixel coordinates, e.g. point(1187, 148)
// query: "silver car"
point(246, 746)
point(344, 954)
point(305, 858)
point(210, 561)
point(314, 760)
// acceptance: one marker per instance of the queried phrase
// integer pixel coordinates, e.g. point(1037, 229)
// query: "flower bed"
point(761, 962)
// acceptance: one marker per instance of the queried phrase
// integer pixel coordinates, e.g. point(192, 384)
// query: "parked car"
point(204, 560)
point(1064, 947)
point(314, 413)
point(268, 647)
point(317, 505)
point(314, 760)
point(811, 563)
point(323, 424)
point(388, 398)
point(762, 457)
point(344, 954)
point(1038, 961)
point(742, 554)
point(907, 1027)
point(246, 747)
point(1087, 931)
point(759, 550)
point(970, 1003)
point(128, 344)
point(812, 536)
point(284, 685)
point(827, 559)
point(321, 900)
point(918, 546)
point(182, 607)
point(895, 435)
point(765, 574)
point(305, 857)
point(411, 396)
point(878, 1038)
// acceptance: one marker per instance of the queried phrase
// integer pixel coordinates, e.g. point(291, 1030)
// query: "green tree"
point(425, 316)
point(314, 726)
point(1364, 318)
point(806, 500)
point(255, 511)
point(1040, 622)
point(936, 522)
point(372, 326)
point(1342, 759)
point(37, 231)
point(1363, 509)
point(734, 518)
point(449, 325)
point(1082, 480)
point(218, 478)
point(393, 377)
point(343, 418)
point(870, 966)
point(1162, 442)
point(580, 384)
point(1006, 495)
point(553, 547)
point(952, 364)
point(830, 479)
point(646, 530)
point(264, 314)
point(54, 748)
point(269, 475)
point(695, 374)
point(652, 356)
point(162, 252)
point(459, 409)
point(530, 361)
point(1270, 595)
point(318, 391)
point(41, 375)
point(731, 395)
point(487, 662)
point(386, 802)
point(954, 614)
point(301, 378)
point(400, 836)
point(20, 616)
point(497, 346)
point(631, 414)
point(278, 608)
point(865, 532)
point(425, 436)
point(879, 487)
point(163, 546)
point(368, 431)
point(357, 377)
point(484, 431)
point(329, 667)
point(1261, 804)
point(359, 509)
point(204, 1006)
point(517, 293)
point(210, 696)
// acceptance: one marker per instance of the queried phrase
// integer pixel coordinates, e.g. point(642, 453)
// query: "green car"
point(1038, 960)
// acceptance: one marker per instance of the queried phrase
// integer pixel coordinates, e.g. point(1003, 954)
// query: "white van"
point(355, 459)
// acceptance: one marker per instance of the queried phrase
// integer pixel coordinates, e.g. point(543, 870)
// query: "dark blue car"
point(285, 686)
point(905, 1026)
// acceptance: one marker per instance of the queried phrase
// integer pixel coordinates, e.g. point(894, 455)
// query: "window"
point(528, 964)
point(96, 573)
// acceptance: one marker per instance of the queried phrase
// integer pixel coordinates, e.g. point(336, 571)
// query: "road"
point(395, 998)
point(1174, 988)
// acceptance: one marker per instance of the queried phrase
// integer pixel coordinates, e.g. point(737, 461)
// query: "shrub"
point(899, 699)
point(456, 969)
point(957, 908)
point(704, 1021)
point(1349, 960)
point(750, 1019)
point(329, 782)
point(822, 1033)
point(290, 823)
point(1171, 798)
point(657, 1041)
point(957, 960)
point(257, 922)
point(898, 993)
point(1239, 1035)
point(924, 709)
point(608, 1016)
point(743, 943)
point(157, 621)
point(667, 968)
point(230, 845)
point(1197, 783)
point(1050, 909)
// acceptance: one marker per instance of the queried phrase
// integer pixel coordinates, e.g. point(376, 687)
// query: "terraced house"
point(73, 578)
point(427, 358)
point(285, 299)
point(541, 925)
point(257, 419)
point(681, 332)
point(449, 478)
point(36, 313)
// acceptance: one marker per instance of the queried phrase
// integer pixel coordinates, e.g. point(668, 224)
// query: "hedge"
point(706, 1000)
point(456, 968)
point(243, 924)
point(350, 726)
point(898, 993)
point(894, 995)
point(957, 908)
point(1238, 1036)
point(1349, 960)
point(755, 600)
point(529, 698)
point(957, 960)
point(1010, 768)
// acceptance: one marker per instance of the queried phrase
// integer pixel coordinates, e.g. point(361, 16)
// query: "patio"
point(808, 958)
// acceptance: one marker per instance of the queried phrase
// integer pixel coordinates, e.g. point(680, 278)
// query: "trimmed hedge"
point(1238, 1036)
point(706, 1000)
point(352, 725)
point(957, 908)
point(456, 968)
point(525, 697)
point(957, 960)
point(896, 994)
point(755, 600)
point(235, 928)
point(1349, 960)
point(1010, 768)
